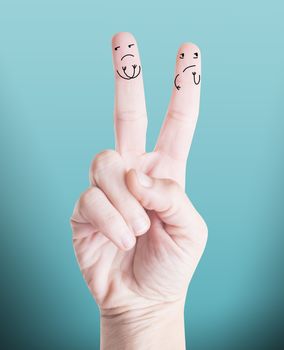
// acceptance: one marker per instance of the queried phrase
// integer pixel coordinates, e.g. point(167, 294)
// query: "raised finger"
point(178, 128)
point(130, 117)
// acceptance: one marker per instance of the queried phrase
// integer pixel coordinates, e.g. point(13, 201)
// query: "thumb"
point(167, 198)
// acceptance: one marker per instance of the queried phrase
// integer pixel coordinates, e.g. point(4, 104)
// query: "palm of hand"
point(158, 268)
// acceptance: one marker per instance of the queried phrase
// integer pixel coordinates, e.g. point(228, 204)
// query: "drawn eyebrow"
point(117, 47)
point(130, 45)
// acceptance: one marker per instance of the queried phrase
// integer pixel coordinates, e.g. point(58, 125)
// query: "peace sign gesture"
point(136, 235)
point(170, 154)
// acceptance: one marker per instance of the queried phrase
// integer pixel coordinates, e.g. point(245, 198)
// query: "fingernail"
point(144, 179)
point(128, 240)
point(140, 225)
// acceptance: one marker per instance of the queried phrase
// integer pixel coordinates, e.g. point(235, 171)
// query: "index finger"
point(130, 117)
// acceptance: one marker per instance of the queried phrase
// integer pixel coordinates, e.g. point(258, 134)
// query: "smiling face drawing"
point(127, 60)
point(185, 69)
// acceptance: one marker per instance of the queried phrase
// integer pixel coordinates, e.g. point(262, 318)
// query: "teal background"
point(56, 108)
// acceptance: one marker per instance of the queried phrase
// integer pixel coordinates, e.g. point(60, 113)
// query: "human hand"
point(136, 235)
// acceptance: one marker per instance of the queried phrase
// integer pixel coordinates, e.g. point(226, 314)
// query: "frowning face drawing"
point(190, 67)
point(127, 66)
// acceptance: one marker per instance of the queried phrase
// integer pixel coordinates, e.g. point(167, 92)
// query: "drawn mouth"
point(129, 54)
point(194, 65)
point(196, 81)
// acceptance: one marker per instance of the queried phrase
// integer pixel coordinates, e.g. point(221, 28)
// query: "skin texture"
point(137, 237)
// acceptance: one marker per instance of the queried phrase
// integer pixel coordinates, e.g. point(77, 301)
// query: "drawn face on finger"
point(187, 67)
point(126, 57)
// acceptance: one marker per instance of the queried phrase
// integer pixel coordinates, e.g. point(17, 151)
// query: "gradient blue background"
point(56, 101)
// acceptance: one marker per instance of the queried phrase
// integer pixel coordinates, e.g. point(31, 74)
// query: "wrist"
point(153, 327)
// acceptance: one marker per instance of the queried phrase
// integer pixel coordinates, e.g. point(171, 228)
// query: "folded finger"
point(108, 173)
point(94, 208)
point(171, 204)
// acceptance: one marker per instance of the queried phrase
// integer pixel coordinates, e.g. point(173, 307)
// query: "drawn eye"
point(117, 48)
point(195, 55)
point(181, 55)
point(130, 45)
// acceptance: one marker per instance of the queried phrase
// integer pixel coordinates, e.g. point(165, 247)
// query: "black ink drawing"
point(196, 81)
point(135, 72)
point(194, 75)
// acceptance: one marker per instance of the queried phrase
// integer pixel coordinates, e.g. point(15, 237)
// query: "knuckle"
point(130, 115)
point(172, 186)
point(74, 215)
point(178, 115)
point(76, 228)
point(88, 198)
point(203, 232)
point(73, 224)
point(147, 203)
point(102, 161)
